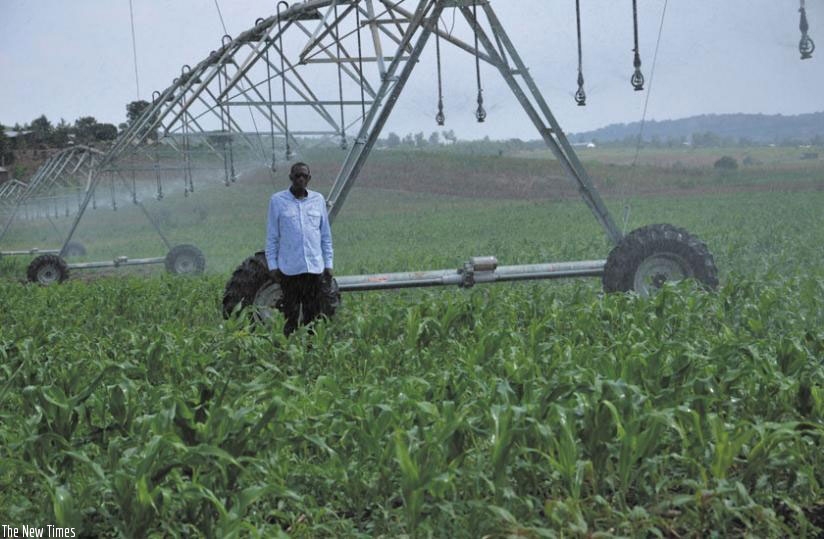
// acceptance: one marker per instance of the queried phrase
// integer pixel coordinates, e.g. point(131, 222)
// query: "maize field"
point(130, 408)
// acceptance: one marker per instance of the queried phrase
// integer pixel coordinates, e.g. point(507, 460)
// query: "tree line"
point(41, 133)
point(715, 130)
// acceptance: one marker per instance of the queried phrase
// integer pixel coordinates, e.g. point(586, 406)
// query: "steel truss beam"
point(524, 89)
point(202, 103)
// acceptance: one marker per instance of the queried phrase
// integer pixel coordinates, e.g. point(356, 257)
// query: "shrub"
point(726, 163)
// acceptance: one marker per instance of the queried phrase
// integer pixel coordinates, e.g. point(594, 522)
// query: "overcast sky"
point(67, 59)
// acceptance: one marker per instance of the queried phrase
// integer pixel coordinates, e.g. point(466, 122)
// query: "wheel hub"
point(657, 269)
point(47, 275)
point(266, 300)
point(184, 264)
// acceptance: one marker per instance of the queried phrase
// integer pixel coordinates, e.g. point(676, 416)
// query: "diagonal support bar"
point(384, 102)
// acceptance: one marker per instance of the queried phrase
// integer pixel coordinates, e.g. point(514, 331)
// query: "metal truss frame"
point(197, 108)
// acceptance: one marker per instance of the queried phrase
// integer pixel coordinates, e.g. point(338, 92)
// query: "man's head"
point(300, 175)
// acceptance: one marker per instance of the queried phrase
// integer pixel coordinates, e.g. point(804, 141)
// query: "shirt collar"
point(300, 195)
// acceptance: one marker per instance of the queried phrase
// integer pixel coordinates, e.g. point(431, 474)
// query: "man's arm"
point(272, 236)
point(326, 240)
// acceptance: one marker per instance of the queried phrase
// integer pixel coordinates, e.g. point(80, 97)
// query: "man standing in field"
point(299, 247)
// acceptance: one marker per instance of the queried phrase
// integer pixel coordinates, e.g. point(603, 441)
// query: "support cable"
point(639, 140)
point(360, 61)
point(159, 194)
point(343, 144)
point(480, 113)
point(283, 81)
point(223, 132)
point(251, 115)
point(220, 16)
point(580, 95)
point(637, 77)
point(134, 49)
point(114, 200)
point(271, 112)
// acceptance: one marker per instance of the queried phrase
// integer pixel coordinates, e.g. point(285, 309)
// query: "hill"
point(757, 128)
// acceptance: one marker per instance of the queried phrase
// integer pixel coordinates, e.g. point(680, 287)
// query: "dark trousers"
point(301, 299)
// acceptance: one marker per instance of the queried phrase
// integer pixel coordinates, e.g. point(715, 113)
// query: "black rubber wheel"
point(75, 248)
point(250, 285)
point(47, 269)
point(185, 260)
point(650, 256)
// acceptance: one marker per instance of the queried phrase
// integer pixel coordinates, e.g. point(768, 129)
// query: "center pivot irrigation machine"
point(307, 65)
point(642, 260)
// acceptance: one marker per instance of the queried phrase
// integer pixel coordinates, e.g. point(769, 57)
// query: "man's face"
point(300, 177)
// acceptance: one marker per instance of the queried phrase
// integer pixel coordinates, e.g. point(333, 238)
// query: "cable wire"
point(134, 50)
point(644, 113)
point(220, 16)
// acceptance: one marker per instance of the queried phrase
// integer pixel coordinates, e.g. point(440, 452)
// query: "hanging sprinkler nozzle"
point(637, 77)
point(806, 46)
point(480, 114)
point(580, 95)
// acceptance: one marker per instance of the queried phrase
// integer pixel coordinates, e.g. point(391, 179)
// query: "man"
point(299, 247)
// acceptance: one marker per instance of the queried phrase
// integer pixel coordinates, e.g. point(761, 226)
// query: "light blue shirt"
point(298, 238)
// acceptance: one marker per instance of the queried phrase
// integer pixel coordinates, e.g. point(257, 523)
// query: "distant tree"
point(408, 140)
point(631, 140)
point(726, 164)
point(85, 128)
point(41, 129)
point(135, 109)
point(420, 141)
point(450, 137)
point(791, 142)
point(6, 155)
point(817, 140)
point(60, 136)
point(393, 140)
point(434, 138)
point(515, 144)
point(706, 139)
point(122, 126)
point(105, 132)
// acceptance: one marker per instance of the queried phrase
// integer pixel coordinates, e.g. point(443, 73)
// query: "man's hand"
point(327, 272)
point(276, 275)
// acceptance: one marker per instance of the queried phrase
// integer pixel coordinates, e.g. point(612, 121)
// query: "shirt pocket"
point(314, 218)
point(289, 219)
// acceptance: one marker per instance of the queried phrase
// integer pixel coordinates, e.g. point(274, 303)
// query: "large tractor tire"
point(251, 286)
point(47, 269)
point(650, 256)
point(75, 248)
point(185, 260)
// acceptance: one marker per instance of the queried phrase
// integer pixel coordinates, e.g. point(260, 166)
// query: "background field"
point(129, 407)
